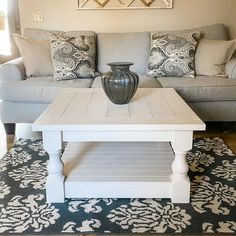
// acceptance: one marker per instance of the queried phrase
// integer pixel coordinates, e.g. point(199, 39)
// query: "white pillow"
point(212, 55)
point(36, 56)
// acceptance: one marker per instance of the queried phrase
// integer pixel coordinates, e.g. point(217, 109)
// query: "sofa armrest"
point(230, 68)
point(12, 70)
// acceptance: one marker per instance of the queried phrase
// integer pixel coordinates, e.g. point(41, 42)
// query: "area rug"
point(212, 209)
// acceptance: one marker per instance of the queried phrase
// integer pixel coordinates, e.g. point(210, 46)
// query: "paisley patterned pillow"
point(73, 57)
point(173, 55)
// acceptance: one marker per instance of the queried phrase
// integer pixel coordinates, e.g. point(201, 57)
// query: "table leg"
point(55, 181)
point(181, 143)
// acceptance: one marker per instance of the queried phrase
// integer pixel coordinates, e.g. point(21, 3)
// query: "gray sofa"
point(23, 100)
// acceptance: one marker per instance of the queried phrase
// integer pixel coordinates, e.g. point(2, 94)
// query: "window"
point(4, 30)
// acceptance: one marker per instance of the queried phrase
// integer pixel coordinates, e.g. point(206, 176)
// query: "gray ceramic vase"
point(120, 84)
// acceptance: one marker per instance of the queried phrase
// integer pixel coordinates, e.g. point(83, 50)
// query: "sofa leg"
point(10, 128)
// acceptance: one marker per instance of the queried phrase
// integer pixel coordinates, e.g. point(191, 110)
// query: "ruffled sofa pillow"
point(73, 57)
point(172, 55)
point(212, 55)
point(36, 55)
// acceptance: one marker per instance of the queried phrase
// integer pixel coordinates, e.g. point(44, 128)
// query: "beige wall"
point(62, 15)
point(231, 19)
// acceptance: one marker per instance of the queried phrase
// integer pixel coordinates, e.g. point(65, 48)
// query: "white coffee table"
point(118, 151)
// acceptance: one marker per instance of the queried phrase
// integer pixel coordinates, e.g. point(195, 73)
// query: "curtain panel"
point(13, 24)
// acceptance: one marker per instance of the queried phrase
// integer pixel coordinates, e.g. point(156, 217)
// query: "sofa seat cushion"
point(38, 89)
point(202, 88)
point(144, 82)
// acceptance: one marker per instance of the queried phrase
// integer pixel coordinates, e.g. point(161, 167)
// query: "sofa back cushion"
point(124, 47)
point(45, 34)
point(214, 32)
point(211, 32)
point(133, 47)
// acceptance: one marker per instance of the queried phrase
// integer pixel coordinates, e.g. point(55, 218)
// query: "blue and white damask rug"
point(212, 209)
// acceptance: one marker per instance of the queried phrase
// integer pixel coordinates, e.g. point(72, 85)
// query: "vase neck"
point(120, 68)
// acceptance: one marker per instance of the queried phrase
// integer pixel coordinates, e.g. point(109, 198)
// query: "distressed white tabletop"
point(90, 109)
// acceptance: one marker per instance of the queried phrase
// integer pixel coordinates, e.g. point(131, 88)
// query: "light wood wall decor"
point(124, 4)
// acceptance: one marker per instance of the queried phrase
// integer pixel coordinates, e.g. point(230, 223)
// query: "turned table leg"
point(182, 142)
point(55, 181)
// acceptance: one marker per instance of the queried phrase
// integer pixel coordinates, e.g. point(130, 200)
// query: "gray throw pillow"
point(172, 55)
point(73, 57)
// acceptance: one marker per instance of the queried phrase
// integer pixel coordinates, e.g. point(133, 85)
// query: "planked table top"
point(90, 109)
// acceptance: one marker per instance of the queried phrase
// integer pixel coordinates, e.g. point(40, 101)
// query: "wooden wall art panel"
point(124, 4)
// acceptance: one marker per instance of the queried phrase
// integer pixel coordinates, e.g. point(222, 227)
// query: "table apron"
point(117, 136)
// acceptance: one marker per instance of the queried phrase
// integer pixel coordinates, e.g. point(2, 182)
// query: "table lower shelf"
point(118, 169)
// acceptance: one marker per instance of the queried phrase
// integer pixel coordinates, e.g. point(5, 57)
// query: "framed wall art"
point(124, 4)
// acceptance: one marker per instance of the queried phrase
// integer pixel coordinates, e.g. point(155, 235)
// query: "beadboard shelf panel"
point(101, 168)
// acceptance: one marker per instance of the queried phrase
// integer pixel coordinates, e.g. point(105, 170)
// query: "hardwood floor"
point(226, 131)
point(22, 131)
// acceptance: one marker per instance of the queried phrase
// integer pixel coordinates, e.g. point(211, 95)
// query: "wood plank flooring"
point(226, 131)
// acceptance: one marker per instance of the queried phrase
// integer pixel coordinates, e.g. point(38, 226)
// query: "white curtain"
point(12, 25)
point(4, 31)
